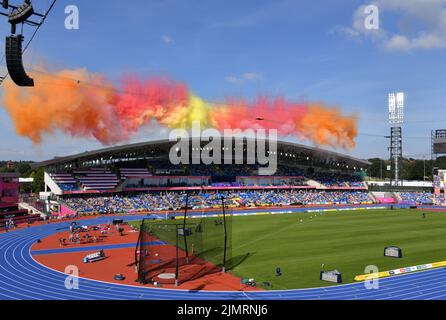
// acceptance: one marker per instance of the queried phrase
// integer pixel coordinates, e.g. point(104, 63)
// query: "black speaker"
point(14, 62)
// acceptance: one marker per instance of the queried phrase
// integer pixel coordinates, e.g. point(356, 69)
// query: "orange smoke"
point(329, 126)
point(59, 103)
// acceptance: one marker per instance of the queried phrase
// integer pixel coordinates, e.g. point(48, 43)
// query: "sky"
point(314, 50)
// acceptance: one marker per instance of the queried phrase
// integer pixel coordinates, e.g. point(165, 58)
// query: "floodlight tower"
point(396, 118)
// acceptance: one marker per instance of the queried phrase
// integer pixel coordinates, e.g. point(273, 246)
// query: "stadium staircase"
point(121, 186)
point(52, 184)
point(397, 196)
point(372, 196)
point(30, 208)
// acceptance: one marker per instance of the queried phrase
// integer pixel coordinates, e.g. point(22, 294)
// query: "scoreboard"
point(439, 141)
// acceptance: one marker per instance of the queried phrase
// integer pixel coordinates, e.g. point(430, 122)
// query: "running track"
point(21, 277)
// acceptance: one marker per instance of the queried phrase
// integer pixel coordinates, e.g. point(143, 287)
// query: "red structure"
point(9, 187)
point(9, 197)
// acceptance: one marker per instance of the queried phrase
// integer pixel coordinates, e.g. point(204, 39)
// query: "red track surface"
point(122, 261)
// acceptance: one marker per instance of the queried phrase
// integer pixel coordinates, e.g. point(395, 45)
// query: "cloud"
point(168, 40)
point(357, 31)
point(346, 31)
point(403, 43)
point(401, 17)
point(245, 77)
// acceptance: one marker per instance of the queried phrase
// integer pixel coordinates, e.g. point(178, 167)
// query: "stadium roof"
point(154, 149)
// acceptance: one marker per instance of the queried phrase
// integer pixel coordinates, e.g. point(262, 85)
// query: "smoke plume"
point(83, 104)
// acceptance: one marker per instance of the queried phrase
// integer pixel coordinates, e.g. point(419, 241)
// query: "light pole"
point(396, 117)
point(381, 168)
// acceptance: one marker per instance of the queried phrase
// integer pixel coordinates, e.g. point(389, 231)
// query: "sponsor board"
point(343, 209)
point(400, 271)
point(394, 252)
point(258, 213)
point(331, 276)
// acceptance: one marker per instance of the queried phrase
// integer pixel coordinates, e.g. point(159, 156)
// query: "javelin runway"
point(21, 277)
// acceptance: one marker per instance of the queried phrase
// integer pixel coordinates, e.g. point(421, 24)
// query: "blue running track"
point(21, 277)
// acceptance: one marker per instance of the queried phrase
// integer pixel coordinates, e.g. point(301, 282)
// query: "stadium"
point(190, 151)
point(148, 228)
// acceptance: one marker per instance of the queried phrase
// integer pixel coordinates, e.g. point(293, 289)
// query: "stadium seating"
point(416, 197)
point(338, 180)
point(439, 199)
point(96, 179)
point(222, 175)
point(68, 187)
point(210, 199)
point(66, 181)
point(134, 172)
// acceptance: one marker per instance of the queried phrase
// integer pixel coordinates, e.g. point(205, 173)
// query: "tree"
point(378, 168)
point(39, 180)
point(24, 169)
point(415, 170)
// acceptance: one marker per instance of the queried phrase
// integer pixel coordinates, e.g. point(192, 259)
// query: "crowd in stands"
point(239, 170)
point(68, 187)
point(439, 199)
point(417, 197)
point(124, 203)
point(222, 175)
point(227, 184)
point(210, 199)
point(222, 170)
point(338, 180)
